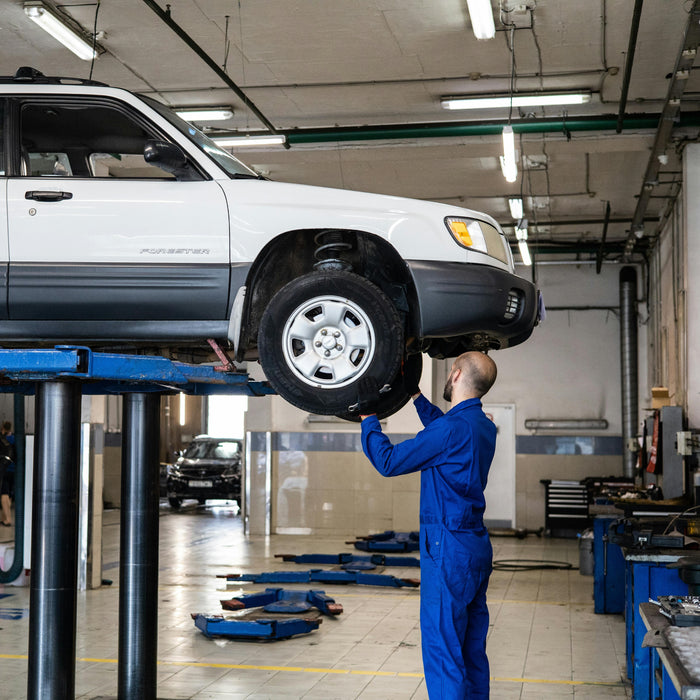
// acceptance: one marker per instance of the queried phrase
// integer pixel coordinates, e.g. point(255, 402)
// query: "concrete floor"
point(544, 641)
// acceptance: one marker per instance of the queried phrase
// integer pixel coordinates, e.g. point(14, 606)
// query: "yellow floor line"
point(341, 671)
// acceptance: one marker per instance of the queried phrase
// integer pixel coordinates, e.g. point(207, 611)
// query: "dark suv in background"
point(210, 468)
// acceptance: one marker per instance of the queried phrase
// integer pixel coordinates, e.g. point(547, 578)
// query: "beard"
point(447, 391)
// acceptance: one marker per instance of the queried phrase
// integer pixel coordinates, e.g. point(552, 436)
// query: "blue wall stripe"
point(589, 445)
point(592, 445)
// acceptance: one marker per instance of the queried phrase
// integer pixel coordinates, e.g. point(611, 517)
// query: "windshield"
point(213, 449)
point(222, 158)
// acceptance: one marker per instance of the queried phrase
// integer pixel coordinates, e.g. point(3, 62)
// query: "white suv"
point(125, 226)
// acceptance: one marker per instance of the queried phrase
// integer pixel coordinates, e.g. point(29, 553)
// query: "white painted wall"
point(691, 199)
point(570, 366)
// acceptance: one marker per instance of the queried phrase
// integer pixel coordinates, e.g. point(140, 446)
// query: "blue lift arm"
point(112, 373)
point(350, 561)
point(324, 576)
point(287, 601)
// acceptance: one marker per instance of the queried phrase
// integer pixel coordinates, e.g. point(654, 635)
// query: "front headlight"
point(478, 235)
point(467, 233)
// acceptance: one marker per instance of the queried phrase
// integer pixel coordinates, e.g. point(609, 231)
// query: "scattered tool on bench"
point(388, 541)
point(349, 561)
point(279, 600)
point(324, 576)
point(265, 628)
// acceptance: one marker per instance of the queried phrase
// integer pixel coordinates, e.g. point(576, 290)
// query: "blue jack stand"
point(350, 562)
point(219, 626)
point(279, 600)
point(324, 576)
point(388, 541)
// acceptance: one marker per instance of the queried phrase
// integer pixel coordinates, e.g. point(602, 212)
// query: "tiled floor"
point(544, 642)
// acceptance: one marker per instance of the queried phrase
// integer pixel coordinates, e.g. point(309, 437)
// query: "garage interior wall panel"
point(691, 199)
point(667, 309)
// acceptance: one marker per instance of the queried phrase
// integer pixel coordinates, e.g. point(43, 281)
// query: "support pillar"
point(138, 579)
point(53, 591)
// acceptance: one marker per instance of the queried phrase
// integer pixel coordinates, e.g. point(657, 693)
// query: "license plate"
point(201, 484)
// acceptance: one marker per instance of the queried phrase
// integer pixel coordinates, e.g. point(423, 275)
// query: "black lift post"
point(54, 577)
point(138, 560)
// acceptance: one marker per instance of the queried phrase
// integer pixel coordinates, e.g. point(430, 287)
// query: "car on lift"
point(210, 468)
point(124, 226)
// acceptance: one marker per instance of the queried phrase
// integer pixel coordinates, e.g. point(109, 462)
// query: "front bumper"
point(465, 299)
point(217, 487)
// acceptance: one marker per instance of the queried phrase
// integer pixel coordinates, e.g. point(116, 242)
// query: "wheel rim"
point(328, 342)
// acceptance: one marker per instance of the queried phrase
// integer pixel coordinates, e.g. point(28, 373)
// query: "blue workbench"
point(646, 577)
point(671, 677)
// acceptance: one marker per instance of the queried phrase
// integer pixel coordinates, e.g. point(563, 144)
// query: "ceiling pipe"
point(629, 60)
point(574, 222)
point(671, 117)
point(166, 17)
point(453, 129)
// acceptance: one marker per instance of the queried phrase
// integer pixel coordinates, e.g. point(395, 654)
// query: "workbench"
point(646, 577)
point(674, 661)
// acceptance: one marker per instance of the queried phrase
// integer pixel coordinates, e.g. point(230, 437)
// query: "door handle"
point(47, 195)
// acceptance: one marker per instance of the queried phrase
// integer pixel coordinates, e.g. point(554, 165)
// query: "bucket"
point(585, 553)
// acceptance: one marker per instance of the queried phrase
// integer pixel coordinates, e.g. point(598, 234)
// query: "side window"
point(82, 140)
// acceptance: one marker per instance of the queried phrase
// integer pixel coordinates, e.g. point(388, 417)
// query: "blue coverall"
point(453, 453)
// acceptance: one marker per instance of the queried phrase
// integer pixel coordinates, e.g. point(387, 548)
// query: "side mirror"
point(167, 156)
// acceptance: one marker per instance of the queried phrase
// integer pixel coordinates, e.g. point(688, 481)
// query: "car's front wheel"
point(325, 332)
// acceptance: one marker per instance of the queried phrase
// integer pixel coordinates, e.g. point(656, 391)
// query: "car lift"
point(59, 377)
point(324, 576)
point(388, 541)
point(350, 562)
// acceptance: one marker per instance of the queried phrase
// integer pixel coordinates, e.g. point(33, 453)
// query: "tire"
point(325, 332)
point(397, 397)
point(175, 502)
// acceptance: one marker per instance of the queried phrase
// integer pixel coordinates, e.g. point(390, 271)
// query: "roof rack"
point(27, 74)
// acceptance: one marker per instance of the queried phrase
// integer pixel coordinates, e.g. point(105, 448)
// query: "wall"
point(320, 480)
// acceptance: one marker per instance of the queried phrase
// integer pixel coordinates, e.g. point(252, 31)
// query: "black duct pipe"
point(54, 579)
point(628, 367)
point(138, 560)
point(629, 61)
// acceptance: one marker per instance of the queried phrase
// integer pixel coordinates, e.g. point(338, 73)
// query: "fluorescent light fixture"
point(205, 114)
point(183, 408)
point(525, 253)
point(521, 235)
point(516, 207)
point(59, 30)
point(237, 141)
point(481, 15)
point(508, 165)
point(542, 99)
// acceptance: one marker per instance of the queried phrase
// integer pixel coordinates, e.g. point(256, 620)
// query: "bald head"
point(472, 375)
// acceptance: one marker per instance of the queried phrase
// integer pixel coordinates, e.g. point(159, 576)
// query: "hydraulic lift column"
point(138, 579)
point(54, 579)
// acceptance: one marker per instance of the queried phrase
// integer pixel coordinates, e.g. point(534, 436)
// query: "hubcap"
point(328, 342)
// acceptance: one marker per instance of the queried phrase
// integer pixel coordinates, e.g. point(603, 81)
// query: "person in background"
point(7, 466)
point(453, 453)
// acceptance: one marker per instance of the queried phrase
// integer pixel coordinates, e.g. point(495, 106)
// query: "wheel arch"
point(294, 253)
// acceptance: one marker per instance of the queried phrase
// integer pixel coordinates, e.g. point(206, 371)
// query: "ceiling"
point(343, 80)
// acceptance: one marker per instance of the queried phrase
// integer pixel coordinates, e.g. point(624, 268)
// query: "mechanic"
point(453, 453)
